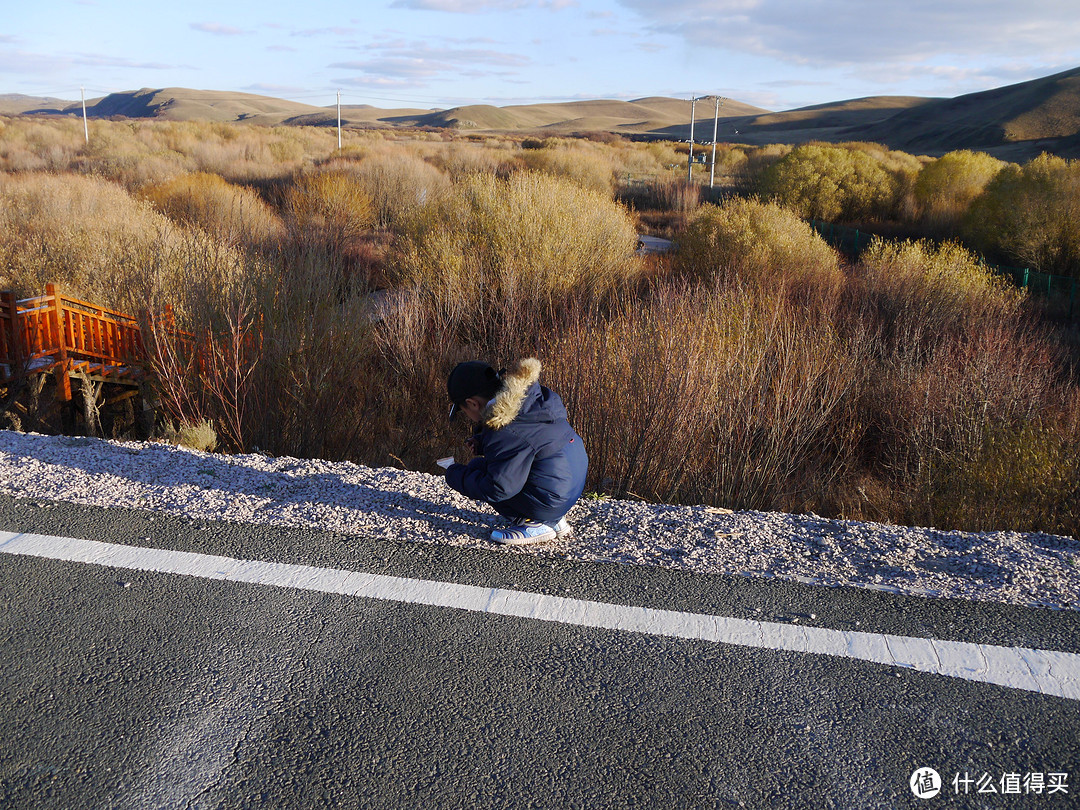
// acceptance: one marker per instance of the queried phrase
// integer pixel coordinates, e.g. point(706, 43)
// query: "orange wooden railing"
point(63, 334)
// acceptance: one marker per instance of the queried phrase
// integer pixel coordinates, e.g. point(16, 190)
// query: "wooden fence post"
point(14, 354)
point(56, 326)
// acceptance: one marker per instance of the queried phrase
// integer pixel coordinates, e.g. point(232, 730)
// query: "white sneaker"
point(523, 532)
point(563, 528)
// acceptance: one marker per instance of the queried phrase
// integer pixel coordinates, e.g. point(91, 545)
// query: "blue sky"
point(777, 54)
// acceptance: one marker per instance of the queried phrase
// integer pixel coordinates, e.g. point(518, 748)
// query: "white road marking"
point(1047, 672)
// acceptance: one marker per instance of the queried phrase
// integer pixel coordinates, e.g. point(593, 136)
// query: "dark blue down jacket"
point(530, 462)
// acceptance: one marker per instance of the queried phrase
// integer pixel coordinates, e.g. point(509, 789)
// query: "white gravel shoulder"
point(1007, 567)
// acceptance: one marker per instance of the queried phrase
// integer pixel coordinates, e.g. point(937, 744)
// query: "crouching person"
point(529, 463)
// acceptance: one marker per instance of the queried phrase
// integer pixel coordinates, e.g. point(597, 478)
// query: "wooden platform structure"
point(57, 334)
point(52, 344)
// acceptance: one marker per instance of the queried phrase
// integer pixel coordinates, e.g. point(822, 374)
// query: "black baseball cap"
point(474, 378)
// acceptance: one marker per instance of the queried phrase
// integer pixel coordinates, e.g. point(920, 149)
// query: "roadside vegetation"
point(309, 301)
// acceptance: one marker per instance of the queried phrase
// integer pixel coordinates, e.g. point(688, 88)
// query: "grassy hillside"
point(1047, 108)
point(182, 104)
point(16, 104)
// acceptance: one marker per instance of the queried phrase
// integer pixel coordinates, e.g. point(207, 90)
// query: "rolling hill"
point(1014, 122)
point(1032, 113)
point(172, 104)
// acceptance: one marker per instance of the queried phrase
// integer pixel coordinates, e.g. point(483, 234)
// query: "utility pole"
point(715, 121)
point(339, 120)
point(85, 127)
point(690, 158)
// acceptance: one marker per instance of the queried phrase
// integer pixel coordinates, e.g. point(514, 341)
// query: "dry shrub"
point(584, 165)
point(639, 161)
point(758, 160)
point(274, 358)
point(730, 165)
point(459, 160)
point(665, 194)
point(979, 434)
point(235, 215)
point(27, 144)
point(200, 436)
point(894, 161)
point(86, 234)
point(330, 208)
point(664, 154)
point(759, 244)
point(525, 240)
point(399, 183)
point(945, 188)
point(101, 244)
point(725, 397)
point(138, 152)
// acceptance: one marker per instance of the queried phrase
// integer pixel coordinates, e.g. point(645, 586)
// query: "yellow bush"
point(946, 285)
point(234, 214)
point(99, 243)
point(461, 159)
point(329, 206)
point(83, 233)
point(529, 237)
point(756, 243)
point(758, 160)
point(1031, 215)
point(587, 166)
point(831, 183)
point(397, 181)
point(945, 188)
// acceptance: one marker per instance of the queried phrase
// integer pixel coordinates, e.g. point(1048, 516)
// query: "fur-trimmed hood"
point(507, 404)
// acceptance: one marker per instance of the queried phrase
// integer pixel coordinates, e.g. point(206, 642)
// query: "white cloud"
point(102, 60)
point(218, 28)
point(409, 63)
point(260, 87)
point(846, 32)
point(480, 6)
point(25, 63)
point(337, 30)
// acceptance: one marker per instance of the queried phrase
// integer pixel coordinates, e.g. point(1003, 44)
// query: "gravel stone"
point(386, 503)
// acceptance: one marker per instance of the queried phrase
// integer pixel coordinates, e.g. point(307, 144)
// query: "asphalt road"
point(130, 689)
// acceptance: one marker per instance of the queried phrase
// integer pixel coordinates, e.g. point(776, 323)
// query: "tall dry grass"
point(138, 152)
point(398, 180)
point(585, 164)
point(725, 396)
point(86, 234)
